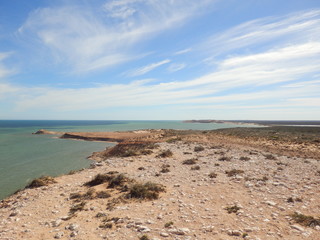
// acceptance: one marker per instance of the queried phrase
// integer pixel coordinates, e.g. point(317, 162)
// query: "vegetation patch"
point(82, 196)
point(305, 220)
point(173, 140)
point(225, 158)
point(197, 167)
point(103, 194)
point(148, 191)
point(77, 207)
point(114, 180)
point(190, 161)
point(233, 172)
point(212, 175)
point(232, 209)
point(144, 237)
point(40, 182)
point(270, 157)
point(244, 158)
point(165, 168)
point(129, 149)
point(165, 154)
point(168, 224)
point(198, 148)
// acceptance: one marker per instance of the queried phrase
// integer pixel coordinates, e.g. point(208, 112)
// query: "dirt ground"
point(255, 183)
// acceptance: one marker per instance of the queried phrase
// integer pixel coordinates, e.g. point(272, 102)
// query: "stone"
point(270, 203)
point(164, 234)
point(297, 227)
point(59, 235)
point(72, 227)
point(179, 231)
point(143, 229)
point(56, 223)
point(234, 233)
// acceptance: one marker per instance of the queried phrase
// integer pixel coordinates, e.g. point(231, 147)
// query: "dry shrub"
point(212, 175)
point(224, 158)
point(195, 167)
point(77, 207)
point(233, 172)
point(190, 161)
point(129, 149)
point(232, 209)
point(198, 148)
point(40, 182)
point(147, 191)
point(114, 180)
point(165, 154)
point(304, 220)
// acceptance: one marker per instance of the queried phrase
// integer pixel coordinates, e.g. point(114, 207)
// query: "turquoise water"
point(24, 156)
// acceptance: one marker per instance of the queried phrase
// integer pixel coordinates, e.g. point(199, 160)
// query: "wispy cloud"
point(183, 51)
point(146, 69)
point(87, 40)
point(174, 67)
point(264, 33)
point(283, 77)
point(4, 71)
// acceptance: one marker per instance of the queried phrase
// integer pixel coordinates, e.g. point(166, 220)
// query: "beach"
point(248, 183)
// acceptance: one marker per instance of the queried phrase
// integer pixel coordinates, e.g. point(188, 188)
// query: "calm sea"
point(24, 156)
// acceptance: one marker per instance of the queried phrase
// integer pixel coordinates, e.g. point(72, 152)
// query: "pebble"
point(164, 234)
point(59, 235)
point(297, 227)
point(179, 231)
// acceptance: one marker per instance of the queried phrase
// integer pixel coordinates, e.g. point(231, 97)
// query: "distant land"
point(260, 122)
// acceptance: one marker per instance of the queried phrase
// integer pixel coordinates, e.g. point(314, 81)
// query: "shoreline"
point(264, 174)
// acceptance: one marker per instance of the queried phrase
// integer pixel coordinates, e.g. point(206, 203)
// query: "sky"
point(160, 59)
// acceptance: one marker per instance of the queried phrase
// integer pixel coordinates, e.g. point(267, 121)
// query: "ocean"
point(24, 156)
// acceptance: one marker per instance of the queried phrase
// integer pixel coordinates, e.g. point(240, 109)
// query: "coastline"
point(195, 200)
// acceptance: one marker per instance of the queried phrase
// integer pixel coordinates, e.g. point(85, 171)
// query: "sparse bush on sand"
point(40, 182)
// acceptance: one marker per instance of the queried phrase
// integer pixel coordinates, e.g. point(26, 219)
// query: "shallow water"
point(24, 156)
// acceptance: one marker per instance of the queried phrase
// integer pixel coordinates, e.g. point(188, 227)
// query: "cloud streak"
point(86, 40)
point(143, 70)
point(284, 76)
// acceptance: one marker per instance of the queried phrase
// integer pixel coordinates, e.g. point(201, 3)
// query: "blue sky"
point(160, 59)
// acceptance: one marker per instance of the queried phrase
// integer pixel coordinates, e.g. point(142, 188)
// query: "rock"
point(56, 223)
point(270, 203)
point(234, 233)
point(143, 229)
point(14, 213)
point(72, 227)
point(179, 231)
point(164, 234)
point(59, 235)
point(297, 227)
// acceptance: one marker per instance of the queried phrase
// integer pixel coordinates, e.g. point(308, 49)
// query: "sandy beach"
point(253, 183)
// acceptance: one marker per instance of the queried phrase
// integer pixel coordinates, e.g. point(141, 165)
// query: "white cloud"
point(146, 69)
point(87, 40)
point(284, 77)
point(4, 71)
point(295, 28)
point(183, 51)
point(174, 67)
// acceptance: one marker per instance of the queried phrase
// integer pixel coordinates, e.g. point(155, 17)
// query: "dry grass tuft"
point(147, 191)
point(304, 220)
point(40, 182)
point(190, 161)
point(233, 172)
